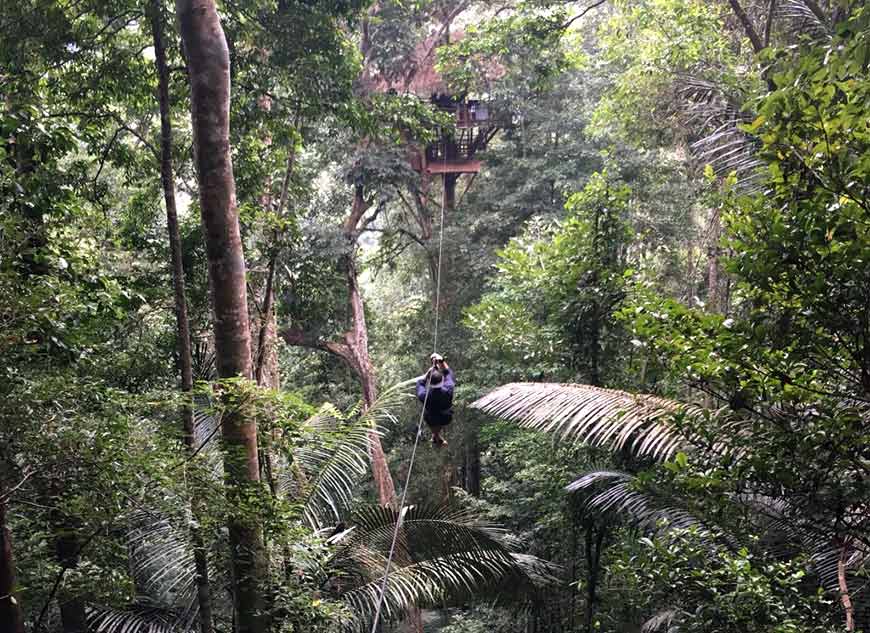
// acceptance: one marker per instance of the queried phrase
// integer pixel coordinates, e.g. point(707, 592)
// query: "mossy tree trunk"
point(209, 75)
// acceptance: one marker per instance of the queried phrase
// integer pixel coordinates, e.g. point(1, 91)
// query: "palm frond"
point(662, 621)
point(803, 20)
point(138, 618)
point(716, 117)
point(785, 536)
point(593, 415)
point(619, 493)
point(161, 561)
point(382, 413)
point(447, 580)
point(427, 530)
point(205, 427)
point(443, 556)
point(325, 471)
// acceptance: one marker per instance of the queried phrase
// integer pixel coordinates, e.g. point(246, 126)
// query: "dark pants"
point(438, 419)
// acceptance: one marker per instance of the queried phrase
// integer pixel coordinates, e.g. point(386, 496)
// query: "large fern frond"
point(619, 493)
point(664, 621)
point(784, 536)
point(716, 117)
point(161, 561)
point(448, 580)
point(803, 19)
point(325, 471)
point(427, 530)
point(593, 415)
point(139, 618)
point(443, 556)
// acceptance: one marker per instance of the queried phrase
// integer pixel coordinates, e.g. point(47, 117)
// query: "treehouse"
point(455, 151)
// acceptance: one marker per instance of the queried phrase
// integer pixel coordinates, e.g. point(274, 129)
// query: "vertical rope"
point(401, 512)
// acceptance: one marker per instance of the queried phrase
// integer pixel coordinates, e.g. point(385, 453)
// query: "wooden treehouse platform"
point(454, 152)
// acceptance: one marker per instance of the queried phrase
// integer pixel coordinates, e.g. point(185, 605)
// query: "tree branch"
point(771, 11)
point(751, 33)
point(8, 494)
point(300, 338)
point(594, 5)
point(415, 65)
point(817, 10)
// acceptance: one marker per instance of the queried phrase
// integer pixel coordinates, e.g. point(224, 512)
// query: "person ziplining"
point(438, 404)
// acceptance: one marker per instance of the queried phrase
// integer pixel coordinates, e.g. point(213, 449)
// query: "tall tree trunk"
point(472, 463)
point(266, 373)
point(714, 292)
point(594, 544)
point(842, 581)
point(208, 70)
point(266, 359)
point(72, 604)
point(358, 342)
point(449, 193)
point(10, 605)
point(185, 357)
point(353, 347)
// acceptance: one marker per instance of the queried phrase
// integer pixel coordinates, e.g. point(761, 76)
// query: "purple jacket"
point(440, 398)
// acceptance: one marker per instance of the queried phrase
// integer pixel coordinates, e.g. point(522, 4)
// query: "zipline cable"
point(401, 511)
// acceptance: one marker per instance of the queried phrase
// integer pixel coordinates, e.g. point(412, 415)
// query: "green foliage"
point(731, 517)
point(659, 52)
point(718, 591)
point(558, 284)
point(521, 50)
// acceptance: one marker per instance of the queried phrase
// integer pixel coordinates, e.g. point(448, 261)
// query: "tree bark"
point(185, 357)
point(10, 606)
point(266, 373)
point(757, 44)
point(714, 292)
point(845, 595)
point(357, 340)
point(748, 27)
point(472, 464)
point(72, 605)
point(593, 565)
point(449, 192)
point(353, 348)
point(209, 75)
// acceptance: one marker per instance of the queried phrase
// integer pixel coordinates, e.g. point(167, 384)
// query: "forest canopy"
point(435, 315)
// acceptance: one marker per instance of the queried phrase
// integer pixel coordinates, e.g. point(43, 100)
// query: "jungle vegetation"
point(232, 233)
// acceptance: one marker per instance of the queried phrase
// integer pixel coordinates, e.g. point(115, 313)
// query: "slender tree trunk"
point(72, 605)
point(845, 595)
point(748, 27)
point(714, 291)
point(594, 544)
point(357, 340)
point(208, 70)
point(472, 463)
point(266, 373)
point(353, 348)
point(266, 360)
point(10, 605)
point(448, 477)
point(185, 357)
point(449, 193)
point(757, 43)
